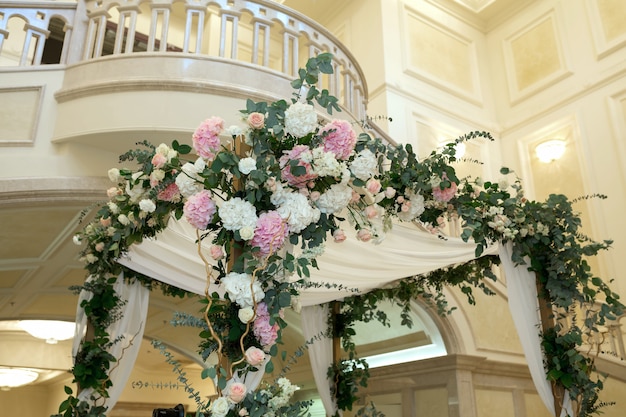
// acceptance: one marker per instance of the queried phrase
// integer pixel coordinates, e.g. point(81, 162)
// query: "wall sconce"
point(16, 377)
point(49, 330)
point(551, 150)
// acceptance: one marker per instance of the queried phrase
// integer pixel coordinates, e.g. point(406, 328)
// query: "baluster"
point(127, 14)
point(348, 90)
point(191, 12)
point(163, 11)
point(232, 17)
point(258, 26)
point(290, 53)
point(39, 34)
point(3, 35)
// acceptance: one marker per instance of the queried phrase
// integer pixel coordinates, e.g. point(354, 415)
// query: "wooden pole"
point(547, 323)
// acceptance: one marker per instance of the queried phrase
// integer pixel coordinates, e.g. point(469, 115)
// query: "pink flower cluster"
point(444, 194)
point(299, 181)
point(265, 333)
point(206, 139)
point(270, 233)
point(199, 209)
point(170, 193)
point(339, 138)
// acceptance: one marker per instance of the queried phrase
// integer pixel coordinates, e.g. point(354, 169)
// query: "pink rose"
point(159, 160)
point(105, 222)
point(373, 186)
point(315, 195)
point(217, 252)
point(390, 192)
point(400, 199)
point(364, 235)
point(256, 120)
point(371, 212)
point(113, 191)
point(355, 197)
point(99, 247)
point(237, 392)
point(339, 235)
point(254, 356)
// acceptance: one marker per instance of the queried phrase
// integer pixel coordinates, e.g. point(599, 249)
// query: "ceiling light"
point(551, 150)
point(16, 377)
point(50, 330)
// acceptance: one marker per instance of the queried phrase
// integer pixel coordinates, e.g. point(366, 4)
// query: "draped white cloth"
point(129, 327)
point(524, 306)
point(314, 324)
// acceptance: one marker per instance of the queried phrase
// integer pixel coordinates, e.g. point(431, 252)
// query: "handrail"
point(255, 32)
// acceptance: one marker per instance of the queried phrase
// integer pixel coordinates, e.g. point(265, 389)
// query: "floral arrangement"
point(268, 196)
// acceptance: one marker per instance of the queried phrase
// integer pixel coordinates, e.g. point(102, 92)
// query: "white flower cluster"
point(335, 199)
point(415, 208)
point(189, 181)
point(364, 165)
point(295, 208)
point(239, 215)
point(300, 119)
point(287, 390)
point(325, 164)
point(501, 223)
point(238, 288)
point(247, 165)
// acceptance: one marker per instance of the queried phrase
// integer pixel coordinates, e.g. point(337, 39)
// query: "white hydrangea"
point(416, 208)
point(335, 199)
point(188, 181)
point(364, 165)
point(325, 164)
point(238, 288)
point(300, 119)
point(296, 209)
point(237, 214)
point(278, 196)
point(246, 165)
point(233, 130)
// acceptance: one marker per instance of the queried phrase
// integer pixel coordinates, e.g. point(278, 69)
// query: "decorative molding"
point(470, 93)
point(603, 46)
point(26, 114)
point(617, 116)
point(522, 90)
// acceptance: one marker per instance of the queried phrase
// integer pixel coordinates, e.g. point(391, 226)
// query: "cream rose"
point(254, 356)
point(256, 120)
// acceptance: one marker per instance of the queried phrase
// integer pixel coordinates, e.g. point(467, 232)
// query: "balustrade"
point(257, 33)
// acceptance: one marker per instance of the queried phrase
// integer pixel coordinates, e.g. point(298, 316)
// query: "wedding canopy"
point(406, 251)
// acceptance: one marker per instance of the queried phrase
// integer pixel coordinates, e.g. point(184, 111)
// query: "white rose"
point(123, 219)
point(113, 207)
point(76, 240)
point(245, 314)
point(246, 233)
point(147, 205)
point(233, 130)
point(114, 175)
point(246, 165)
point(220, 407)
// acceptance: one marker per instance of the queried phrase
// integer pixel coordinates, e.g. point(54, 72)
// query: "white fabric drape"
point(314, 324)
point(129, 327)
point(524, 306)
point(358, 266)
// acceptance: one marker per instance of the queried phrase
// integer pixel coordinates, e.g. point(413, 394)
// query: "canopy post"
point(548, 322)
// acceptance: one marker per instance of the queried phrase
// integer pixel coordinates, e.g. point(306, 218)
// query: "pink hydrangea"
point(444, 194)
point(270, 233)
point(170, 193)
point(339, 138)
point(265, 333)
point(206, 139)
point(199, 209)
point(296, 154)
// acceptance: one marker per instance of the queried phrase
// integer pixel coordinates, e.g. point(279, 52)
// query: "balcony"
point(133, 70)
